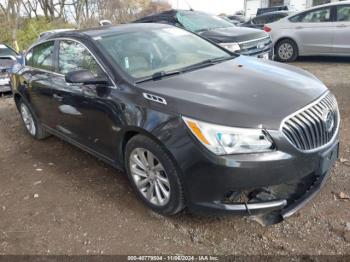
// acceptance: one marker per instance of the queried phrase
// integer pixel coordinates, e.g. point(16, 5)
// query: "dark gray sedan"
point(192, 124)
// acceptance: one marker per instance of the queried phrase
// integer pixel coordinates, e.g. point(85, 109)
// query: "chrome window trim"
point(114, 86)
point(303, 109)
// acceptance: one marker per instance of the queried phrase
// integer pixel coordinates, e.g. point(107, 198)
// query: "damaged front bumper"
point(271, 188)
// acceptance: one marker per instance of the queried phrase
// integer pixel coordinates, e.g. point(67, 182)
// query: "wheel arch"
point(132, 131)
point(287, 38)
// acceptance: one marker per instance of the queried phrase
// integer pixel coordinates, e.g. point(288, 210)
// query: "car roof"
point(325, 5)
point(170, 12)
point(107, 30)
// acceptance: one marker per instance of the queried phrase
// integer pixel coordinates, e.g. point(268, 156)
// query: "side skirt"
point(96, 154)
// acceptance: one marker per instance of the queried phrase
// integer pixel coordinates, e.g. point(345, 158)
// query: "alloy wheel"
point(285, 51)
point(28, 119)
point(149, 176)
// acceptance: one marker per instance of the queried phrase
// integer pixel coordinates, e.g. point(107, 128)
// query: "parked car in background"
point(265, 10)
point(8, 57)
point(237, 19)
point(246, 41)
point(322, 30)
point(192, 124)
point(259, 21)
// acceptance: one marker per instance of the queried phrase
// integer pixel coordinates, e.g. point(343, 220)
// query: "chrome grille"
point(255, 46)
point(312, 127)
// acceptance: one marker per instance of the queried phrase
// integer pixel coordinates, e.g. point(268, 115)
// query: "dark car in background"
point(265, 10)
point(8, 57)
point(245, 41)
point(236, 19)
point(192, 124)
point(259, 21)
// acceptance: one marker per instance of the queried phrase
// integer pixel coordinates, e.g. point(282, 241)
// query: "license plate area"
point(264, 56)
point(328, 159)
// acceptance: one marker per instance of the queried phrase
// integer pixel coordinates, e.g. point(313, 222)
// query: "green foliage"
point(30, 29)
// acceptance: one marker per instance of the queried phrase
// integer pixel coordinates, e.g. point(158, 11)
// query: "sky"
point(210, 6)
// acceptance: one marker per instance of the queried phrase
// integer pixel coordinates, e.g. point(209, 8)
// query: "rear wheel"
point(153, 175)
point(30, 122)
point(286, 50)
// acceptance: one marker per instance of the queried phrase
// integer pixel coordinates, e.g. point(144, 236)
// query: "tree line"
point(21, 21)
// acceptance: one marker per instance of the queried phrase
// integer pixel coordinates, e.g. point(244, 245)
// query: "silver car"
point(8, 57)
point(322, 30)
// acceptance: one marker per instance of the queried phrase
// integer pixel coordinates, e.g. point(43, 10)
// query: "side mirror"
point(85, 77)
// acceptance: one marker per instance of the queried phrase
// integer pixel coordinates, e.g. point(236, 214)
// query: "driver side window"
point(73, 56)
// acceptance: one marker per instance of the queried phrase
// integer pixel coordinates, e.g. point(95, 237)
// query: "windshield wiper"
point(158, 76)
point(207, 62)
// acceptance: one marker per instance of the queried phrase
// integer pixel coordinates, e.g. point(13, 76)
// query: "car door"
point(37, 79)
point(85, 113)
point(341, 44)
point(315, 31)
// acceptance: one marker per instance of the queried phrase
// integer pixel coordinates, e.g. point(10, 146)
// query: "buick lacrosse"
point(191, 124)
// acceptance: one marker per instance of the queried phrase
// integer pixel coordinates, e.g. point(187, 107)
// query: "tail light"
point(267, 29)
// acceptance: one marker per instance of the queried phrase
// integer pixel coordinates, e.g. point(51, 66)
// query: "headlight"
point(233, 47)
point(223, 140)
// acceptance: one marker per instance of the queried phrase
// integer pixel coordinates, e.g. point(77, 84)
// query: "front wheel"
point(153, 175)
point(286, 51)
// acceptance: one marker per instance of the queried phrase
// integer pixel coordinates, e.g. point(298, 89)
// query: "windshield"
point(145, 53)
point(196, 22)
point(5, 51)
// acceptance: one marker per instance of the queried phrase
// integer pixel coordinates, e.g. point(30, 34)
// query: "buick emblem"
point(328, 120)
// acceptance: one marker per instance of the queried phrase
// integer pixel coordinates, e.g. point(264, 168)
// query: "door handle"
point(342, 25)
point(58, 97)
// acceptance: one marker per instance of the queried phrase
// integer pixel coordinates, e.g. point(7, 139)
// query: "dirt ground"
point(56, 199)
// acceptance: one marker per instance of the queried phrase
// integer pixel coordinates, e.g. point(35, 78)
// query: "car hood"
point(233, 34)
point(243, 92)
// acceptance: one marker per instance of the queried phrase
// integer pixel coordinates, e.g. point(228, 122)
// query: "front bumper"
point(237, 184)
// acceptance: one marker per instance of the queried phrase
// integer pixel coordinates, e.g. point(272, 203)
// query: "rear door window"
point(343, 13)
point(317, 16)
point(42, 55)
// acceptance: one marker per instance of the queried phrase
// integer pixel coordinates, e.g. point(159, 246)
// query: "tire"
point(140, 155)
point(30, 122)
point(286, 51)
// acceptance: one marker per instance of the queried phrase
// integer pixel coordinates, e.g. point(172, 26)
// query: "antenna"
point(191, 9)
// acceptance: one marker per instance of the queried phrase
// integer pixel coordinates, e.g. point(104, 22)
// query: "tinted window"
point(276, 17)
point(41, 56)
point(259, 20)
point(317, 16)
point(343, 13)
point(73, 56)
point(143, 53)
